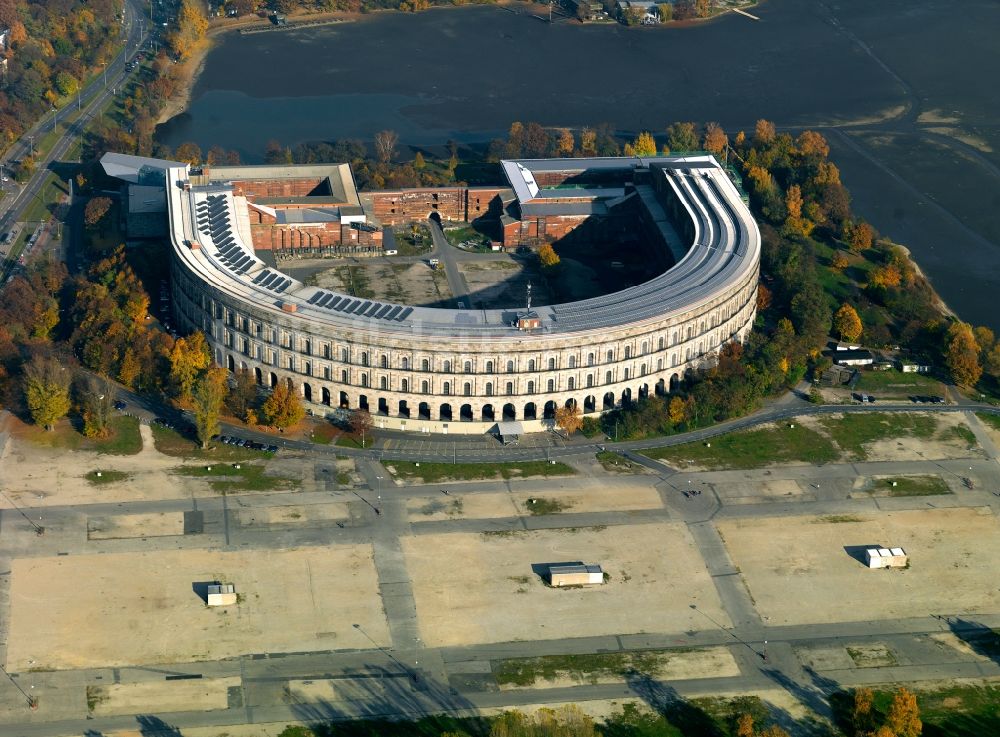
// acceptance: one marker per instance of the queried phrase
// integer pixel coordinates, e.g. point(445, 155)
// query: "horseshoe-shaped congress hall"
point(429, 369)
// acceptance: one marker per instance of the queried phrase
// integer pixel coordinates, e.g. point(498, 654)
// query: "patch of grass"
point(432, 473)
point(96, 695)
point(539, 506)
point(350, 441)
point(588, 667)
point(616, 463)
point(912, 486)
point(98, 478)
point(248, 477)
point(172, 443)
point(751, 449)
point(837, 519)
point(890, 384)
point(990, 419)
point(462, 234)
point(961, 433)
point(124, 438)
point(323, 434)
point(853, 431)
point(453, 507)
point(872, 657)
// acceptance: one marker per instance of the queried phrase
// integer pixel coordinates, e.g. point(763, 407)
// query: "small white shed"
point(886, 557)
point(221, 594)
point(576, 575)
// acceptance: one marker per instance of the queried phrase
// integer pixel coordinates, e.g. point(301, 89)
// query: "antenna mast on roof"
point(529, 298)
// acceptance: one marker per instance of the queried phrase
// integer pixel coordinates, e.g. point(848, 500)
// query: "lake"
point(902, 90)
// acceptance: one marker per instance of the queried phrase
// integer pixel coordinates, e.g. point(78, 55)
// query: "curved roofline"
point(211, 235)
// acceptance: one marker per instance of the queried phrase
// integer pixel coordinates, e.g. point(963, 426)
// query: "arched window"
point(364, 358)
point(660, 344)
point(590, 359)
point(447, 367)
point(628, 352)
point(510, 388)
point(531, 365)
point(425, 365)
point(626, 374)
point(343, 377)
point(446, 389)
point(552, 385)
point(425, 387)
point(404, 385)
point(590, 380)
point(607, 378)
point(611, 356)
point(572, 362)
point(405, 363)
point(510, 367)
point(489, 367)
point(345, 355)
point(531, 387)
point(364, 379)
point(552, 364)
point(571, 383)
point(489, 388)
point(383, 383)
point(468, 367)
point(384, 361)
point(467, 389)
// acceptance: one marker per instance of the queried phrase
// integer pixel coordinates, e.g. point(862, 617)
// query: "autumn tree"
point(418, 162)
point(903, 718)
point(588, 142)
point(209, 393)
point(96, 209)
point(839, 261)
point(191, 28)
point(189, 356)
point(846, 323)
point(361, 425)
point(188, 152)
point(643, 145)
point(283, 408)
point(547, 256)
point(962, 354)
point(385, 145)
point(569, 418)
point(97, 398)
point(763, 133)
point(716, 139)
point(46, 390)
point(812, 144)
point(564, 142)
point(682, 137)
point(764, 297)
point(885, 277)
point(862, 714)
point(676, 410)
point(862, 236)
point(243, 393)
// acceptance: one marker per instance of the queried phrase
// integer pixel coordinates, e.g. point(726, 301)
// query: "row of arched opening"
point(449, 412)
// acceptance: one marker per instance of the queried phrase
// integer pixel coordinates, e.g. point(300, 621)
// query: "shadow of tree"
point(150, 726)
point(813, 695)
point(664, 699)
point(983, 640)
point(372, 699)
